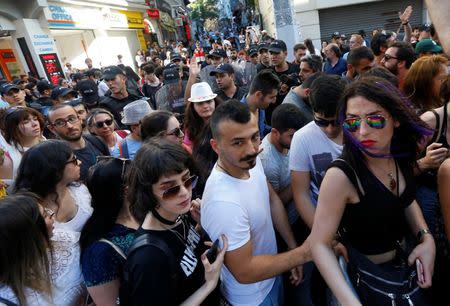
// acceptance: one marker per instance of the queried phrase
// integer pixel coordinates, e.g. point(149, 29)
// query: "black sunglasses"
point(324, 123)
point(100, 124)
point(173, 191)
point(176, 131)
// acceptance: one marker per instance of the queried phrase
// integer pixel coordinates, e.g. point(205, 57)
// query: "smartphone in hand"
point(212, 252)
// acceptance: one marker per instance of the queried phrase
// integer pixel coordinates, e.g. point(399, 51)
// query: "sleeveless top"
point(377, 222)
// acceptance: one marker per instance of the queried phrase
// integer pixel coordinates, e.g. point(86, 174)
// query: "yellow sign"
point(134, 19)
point(140, 36)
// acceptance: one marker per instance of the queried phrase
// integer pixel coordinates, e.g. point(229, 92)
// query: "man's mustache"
point(251, 157)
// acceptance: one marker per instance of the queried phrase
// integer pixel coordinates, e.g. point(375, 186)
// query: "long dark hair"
point(42, 167)
point(193, 123)
point(156, 157)
point(155, 123)
point(407, 136)
point(24, 242)
point(107, 187)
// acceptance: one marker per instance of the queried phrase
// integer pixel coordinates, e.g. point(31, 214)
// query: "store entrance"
point(9, 65)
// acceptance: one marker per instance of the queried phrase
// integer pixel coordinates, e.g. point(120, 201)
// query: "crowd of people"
point(231, 176)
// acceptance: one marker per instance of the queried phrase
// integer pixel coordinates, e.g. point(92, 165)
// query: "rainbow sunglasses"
point(374, 121)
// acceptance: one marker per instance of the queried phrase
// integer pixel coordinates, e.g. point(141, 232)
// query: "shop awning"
point(166, 21)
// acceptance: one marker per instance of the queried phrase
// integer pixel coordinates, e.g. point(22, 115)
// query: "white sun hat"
point(201, 92)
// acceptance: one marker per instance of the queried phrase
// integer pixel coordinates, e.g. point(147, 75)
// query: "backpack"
point(139, 242)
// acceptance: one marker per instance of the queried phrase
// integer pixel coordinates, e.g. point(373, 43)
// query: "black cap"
point(18, 81)
point(41, 86)
point(88, 91)
point(175, 56)
point(277, 46)
point(110, 72)
point(424, 27)
point(171, 74)
point(77, 76)
point(218, 53)
point(263, 46)
point(4, 88)
point(336, 35)
point(92, 72)
point(222, 68)
point(61, 92)
point(252, 51)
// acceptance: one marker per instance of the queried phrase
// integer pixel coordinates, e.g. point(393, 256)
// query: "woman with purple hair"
point(368, 197)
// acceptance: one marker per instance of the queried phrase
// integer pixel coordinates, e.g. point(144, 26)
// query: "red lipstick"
point(368, 143)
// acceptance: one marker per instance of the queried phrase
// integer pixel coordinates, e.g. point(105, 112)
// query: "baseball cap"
point(61, 92)
point(218, 53)
point(252, 51)
point(222, 68)
point(88, 91)
point(263, 46)
point(175, 56)
point(424, 27)
point(277, 46)
point(428, 45)
point(41, 86)
point(110, 72)
point(78, 76)
point(5, 88)
point(18, 82)
point(171, 75)
point(336, 35)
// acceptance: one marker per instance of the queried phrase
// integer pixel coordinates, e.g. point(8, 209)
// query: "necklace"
point(180, 237)
point(393, 185)
point(164, 220)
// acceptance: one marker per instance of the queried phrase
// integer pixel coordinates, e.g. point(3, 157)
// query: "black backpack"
point(139, 242)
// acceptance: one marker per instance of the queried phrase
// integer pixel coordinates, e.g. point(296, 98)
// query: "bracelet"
point(422, 232)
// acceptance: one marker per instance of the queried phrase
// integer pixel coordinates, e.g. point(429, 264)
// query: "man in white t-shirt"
point(316, 145)
point(240, 203)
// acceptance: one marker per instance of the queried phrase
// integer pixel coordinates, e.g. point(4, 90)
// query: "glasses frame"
point(353, 129)
point(175, 132)
point(172, 192)
point(321, 122)
point(388, 57)
point(48, 213)
point(73, 160)
point(65, 121)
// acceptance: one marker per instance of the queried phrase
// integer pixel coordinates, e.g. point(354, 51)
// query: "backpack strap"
point(350, 173)
point(437, 129)
point(123, 149)
point(115, 247)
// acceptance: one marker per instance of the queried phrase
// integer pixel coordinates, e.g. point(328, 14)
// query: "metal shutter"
point(368, 16)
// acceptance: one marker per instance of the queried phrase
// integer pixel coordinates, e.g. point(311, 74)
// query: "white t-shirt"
point(33, 298)
point(67, 279)
point(240, 209)
point(312, 151)
point(276, 168)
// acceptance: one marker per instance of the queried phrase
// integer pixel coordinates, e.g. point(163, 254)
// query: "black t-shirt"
point(239, 94)
point(150, 92)
point(115, 106)
point(149, 280)
point(260, 67)
point(292, 69)
point(88, 155)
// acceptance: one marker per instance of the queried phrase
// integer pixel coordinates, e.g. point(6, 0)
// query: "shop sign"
point(134, 19)
point(167, 21)
point(71, 17)
point(116, 20)
point(40, 41)
point(141, 39)
point(52, 67)
point(153, 13)
point(178, 22)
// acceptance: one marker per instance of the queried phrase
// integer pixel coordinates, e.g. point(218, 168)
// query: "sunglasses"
point(73, 161)
point(374, 121)
point(176, 131)
point(100, 124)
point(173, 191)
point(324, 123)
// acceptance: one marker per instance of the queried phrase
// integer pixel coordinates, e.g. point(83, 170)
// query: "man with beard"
point(65, 123)
point(264, 57)
point(359, 60)
point(237, 203)
point(224, 74)
point(115, 78)
point(398, 59)
point(309, 64)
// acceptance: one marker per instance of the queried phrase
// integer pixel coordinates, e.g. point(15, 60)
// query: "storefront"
point(99, 33)
point(10, 67)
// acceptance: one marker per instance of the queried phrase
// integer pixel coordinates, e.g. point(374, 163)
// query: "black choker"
point(164, 220)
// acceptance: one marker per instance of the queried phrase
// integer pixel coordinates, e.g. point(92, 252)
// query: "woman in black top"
point(369, 193)
point(160, 187)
